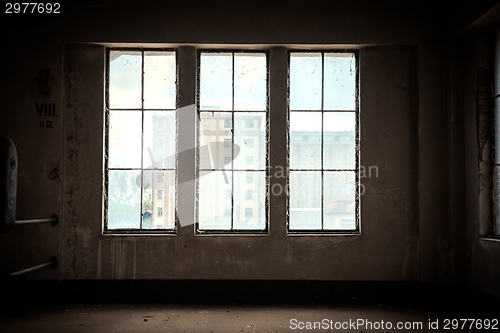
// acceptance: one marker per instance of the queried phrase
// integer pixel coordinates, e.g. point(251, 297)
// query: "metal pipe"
point(54, 220)
point(52, 263)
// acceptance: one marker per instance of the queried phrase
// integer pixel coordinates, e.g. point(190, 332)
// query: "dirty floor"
point(78, 318)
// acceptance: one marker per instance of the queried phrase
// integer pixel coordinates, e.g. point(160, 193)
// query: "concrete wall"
point(404, 212)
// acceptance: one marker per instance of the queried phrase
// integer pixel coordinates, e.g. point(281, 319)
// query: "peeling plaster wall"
point(482, 254)
point(403, 130)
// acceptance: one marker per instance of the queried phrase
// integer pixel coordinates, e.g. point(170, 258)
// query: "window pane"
point(216, 81)
point(214, 210)
point(125, 139)
point(125, 80)
point(124, 199)
point(250, 140)
point(250, 73)
point(159, 80)
point(305, 140)
point(215, 129)
point(249, 213)
point(339, 200)
point(161, 182)
point(305, 81)
point(305, 200)
point(339, 140)
point(340, 81)
point(159, 139)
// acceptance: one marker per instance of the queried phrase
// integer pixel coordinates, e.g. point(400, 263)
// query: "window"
point(323, 176)
point(232, 164)
point(249, 177)
point(141, 130)
point(249, 195)
point(249, 212)
point(248, 142)
point(236, 84)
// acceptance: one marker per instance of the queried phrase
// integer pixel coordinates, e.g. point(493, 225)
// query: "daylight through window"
point(140, 158)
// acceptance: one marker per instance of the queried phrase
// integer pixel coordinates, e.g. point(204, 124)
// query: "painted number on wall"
point(46, 110)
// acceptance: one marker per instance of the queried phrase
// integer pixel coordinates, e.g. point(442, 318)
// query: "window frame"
point(233, 232)
point(106, 169)
point(268, 167)
point(357, 111)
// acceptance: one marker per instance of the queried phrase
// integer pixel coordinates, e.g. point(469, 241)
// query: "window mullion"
point(186, 139)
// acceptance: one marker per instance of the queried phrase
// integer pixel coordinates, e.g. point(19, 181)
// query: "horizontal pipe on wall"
point(52, 264)
point(54, 220)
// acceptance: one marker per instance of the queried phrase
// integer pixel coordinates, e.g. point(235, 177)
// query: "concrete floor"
point(223, 318)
